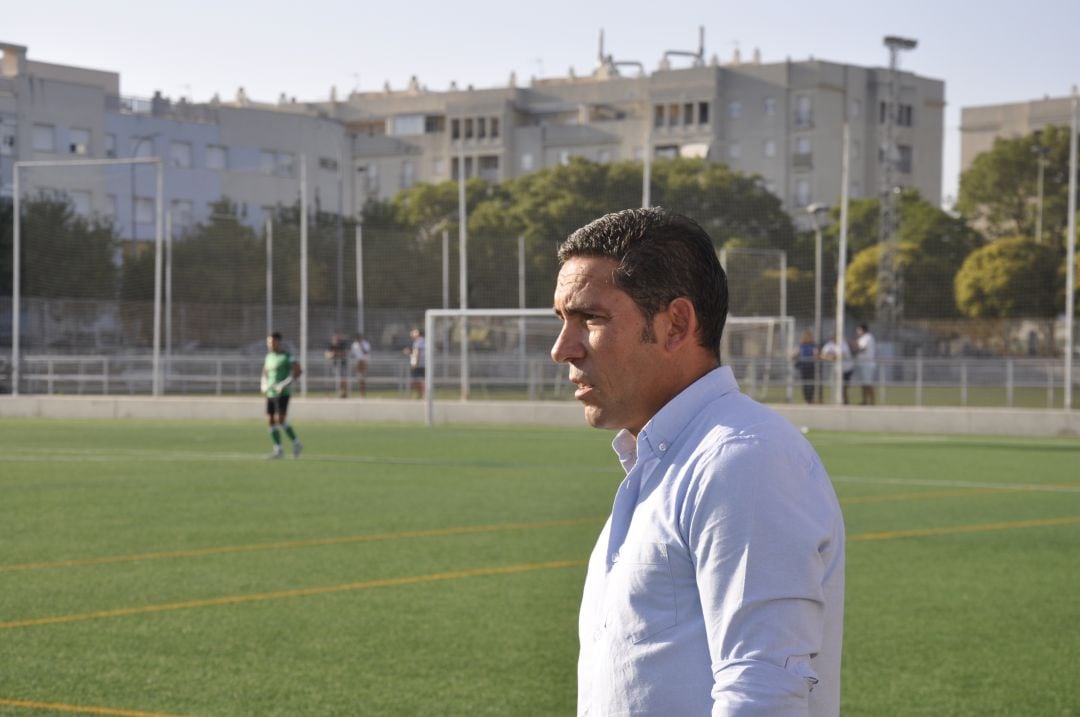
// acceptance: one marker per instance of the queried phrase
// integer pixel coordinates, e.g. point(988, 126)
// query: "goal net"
point(505, 354)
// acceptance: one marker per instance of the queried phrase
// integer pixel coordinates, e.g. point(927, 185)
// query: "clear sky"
point(987, 52)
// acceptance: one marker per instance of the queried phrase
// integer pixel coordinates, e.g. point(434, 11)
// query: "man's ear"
point(682, 323)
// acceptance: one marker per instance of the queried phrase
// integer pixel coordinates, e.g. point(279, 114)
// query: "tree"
point(932, 245)
point(63, 254)
point(1010, 278)
point(999, 191)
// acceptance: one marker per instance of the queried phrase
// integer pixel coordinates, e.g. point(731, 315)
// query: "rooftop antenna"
point(699, 56)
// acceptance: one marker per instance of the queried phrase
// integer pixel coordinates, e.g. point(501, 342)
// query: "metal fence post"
point(1009, 383)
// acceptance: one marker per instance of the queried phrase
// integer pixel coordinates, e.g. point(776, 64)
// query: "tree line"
point(981, 261)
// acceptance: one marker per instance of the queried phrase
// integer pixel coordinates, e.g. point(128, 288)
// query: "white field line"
point(1041, 487)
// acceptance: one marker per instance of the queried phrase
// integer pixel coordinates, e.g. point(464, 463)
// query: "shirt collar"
point(658, 434)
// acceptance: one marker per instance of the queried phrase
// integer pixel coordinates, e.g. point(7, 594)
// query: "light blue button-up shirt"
point(717, 584)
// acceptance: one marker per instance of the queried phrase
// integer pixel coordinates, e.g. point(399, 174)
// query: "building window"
point(903, 159)
point(526, 162)
point(182, 214)
point(494, 127)
point(481, 127)
point(804, 111)
point(438, 166)
point(769, 148)
point(468, 128)
point(455, 129)
point(110, 144)
point(145, 210)
point(855, 109)
point(43, 138)
point(408, 174)
point(769, 106)
point(734, 150)
point(328, 163)
point(180, 154)
point(80, 141)
point(658, 116)
point(905, 114)
point(285, 164)
point(673, 115)
point(80, 201)
point(142, 146)
point(216, 157)
point(804, 158)
point(110, 206)
point(455, 163)
point(703, 113)
point(688, 113)
point(603, 156)
point(734, 109)
point(406, 125)
point(564, 157)
point(373, 177)
point(667, 151)
point(802, 193)
point(434, 124)
point(488, 166)
point(267, 161)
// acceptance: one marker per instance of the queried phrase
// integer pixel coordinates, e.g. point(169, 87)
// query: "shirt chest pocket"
point(644, 599)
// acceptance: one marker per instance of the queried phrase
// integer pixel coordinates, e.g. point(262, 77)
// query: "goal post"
point(519, 328)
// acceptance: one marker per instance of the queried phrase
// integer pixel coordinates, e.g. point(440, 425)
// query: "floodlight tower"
point(890, 297)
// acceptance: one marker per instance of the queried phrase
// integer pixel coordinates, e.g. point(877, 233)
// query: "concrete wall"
point(985, 421)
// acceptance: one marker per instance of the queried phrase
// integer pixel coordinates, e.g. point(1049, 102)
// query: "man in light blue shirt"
point(717, 584)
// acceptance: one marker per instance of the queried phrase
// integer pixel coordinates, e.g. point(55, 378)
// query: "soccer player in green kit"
point(279, 370)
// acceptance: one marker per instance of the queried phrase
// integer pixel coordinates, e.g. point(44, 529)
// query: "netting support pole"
point(15, 284)
point(360, 278)
point(841, 265)
point(463, 274)
point(303, 273)
point(269, 276)
point(1070, 256)
point(168, 295)
point(159, 218)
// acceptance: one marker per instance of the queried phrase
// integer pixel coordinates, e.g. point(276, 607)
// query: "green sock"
point(289, 432)
point(275, 435)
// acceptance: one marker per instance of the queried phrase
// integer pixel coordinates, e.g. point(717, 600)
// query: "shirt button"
point(615, 557)
point(662, 447)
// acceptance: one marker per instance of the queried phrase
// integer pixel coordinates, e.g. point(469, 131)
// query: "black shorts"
point(416, 371)
point(278, 405)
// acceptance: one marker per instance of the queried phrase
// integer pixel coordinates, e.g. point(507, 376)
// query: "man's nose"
point(566, 346)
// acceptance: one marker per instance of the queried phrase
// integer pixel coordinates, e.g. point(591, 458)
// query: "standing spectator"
point(338, 355)
point(866, 362)
point(834, 350)
point(360, 352)
point(416, 361)
point(806, 363)
point(279, 371)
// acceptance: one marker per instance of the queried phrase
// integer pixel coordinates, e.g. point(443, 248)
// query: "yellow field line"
point(955, 529)
point(307, 543)
point(60, 707)
point(926, 494)
point(297, 592)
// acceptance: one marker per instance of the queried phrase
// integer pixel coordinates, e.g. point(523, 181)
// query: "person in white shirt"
point(415, 352)
point(866, 362)
point(717, 583)
point(360, 353)
point(833, 351)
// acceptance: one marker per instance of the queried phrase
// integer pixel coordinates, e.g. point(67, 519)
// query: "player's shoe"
point(278, 453)
point(297, 447)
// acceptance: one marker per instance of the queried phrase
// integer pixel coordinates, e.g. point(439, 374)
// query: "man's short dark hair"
point(276, 335)
point(662, 256)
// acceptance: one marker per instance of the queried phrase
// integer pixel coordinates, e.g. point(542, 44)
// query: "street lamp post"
point(816, 212)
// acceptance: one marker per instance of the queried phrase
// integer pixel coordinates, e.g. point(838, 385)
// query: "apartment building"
point(781, 121)
point(246, 151)
point(980, 126)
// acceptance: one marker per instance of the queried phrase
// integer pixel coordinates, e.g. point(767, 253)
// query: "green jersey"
point(276, 368)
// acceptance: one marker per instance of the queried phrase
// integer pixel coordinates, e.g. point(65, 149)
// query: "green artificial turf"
point(166, 568)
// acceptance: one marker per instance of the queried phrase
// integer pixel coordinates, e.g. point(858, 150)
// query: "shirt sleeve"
point(757, 522)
